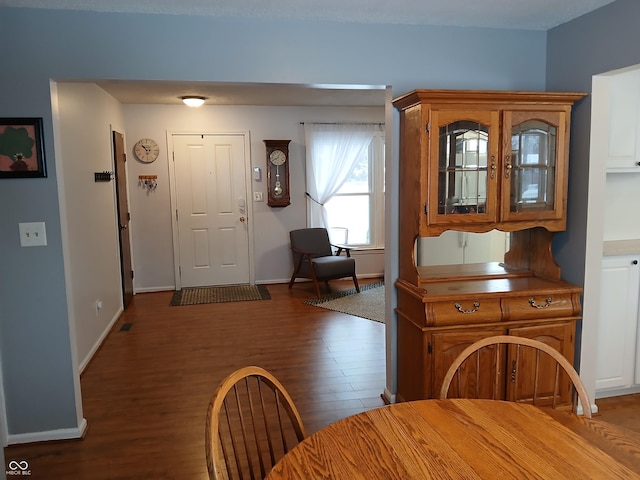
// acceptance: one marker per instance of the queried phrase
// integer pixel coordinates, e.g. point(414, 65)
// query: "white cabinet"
point(618, 366)
point(624, 122)
point(618, 358)
point(609, 339)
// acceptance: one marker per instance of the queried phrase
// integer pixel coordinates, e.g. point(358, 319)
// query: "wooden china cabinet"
point(475, 161)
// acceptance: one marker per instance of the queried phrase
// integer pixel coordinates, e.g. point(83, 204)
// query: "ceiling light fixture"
point(193, 101)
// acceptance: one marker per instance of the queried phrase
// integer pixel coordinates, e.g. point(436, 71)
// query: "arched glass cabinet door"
point(533, 169)
point(464, 178)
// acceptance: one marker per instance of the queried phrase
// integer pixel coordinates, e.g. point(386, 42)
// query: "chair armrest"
point(340, 248)
point(303, 252)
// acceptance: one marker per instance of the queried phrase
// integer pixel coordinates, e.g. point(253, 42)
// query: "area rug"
point(369, 303)
point(234, 293)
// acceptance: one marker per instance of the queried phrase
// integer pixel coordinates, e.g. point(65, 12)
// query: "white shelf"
point(630, 169)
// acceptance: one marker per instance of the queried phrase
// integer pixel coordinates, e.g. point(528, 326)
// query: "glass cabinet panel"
point(532, 166)
point(462, 168)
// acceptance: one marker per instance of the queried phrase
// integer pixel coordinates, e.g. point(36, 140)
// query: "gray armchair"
point(313, 258)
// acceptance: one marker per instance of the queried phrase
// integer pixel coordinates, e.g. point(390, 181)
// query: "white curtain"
point(332, 152)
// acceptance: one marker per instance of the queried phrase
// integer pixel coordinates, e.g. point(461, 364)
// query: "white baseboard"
point(169, 288)
point(61, 434)
point(580, 410)
point(98, 342)
point(616, 392)
point(388, 396)
point(258, 282)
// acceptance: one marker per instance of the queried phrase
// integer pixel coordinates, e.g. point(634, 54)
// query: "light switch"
point(32, 234)
point(257, 197)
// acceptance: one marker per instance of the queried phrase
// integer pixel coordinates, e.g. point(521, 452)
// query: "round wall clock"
point(146, 150)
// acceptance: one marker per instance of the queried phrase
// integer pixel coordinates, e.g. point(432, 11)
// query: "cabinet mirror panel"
point(533, 165)
point(457, 248)
point(462, 168)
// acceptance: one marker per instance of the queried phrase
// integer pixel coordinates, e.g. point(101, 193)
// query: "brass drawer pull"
point(533, 303)
point(476, 306)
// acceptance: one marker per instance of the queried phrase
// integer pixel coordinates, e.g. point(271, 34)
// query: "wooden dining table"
point(464, 439)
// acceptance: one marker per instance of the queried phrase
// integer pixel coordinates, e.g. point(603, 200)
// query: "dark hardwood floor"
point(145, 393)
point(623, 410)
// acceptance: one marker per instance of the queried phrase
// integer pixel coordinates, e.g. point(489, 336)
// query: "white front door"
point(211, 209)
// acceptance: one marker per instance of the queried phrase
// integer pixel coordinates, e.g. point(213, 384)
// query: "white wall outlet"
point(257, 197)
point(32, 234)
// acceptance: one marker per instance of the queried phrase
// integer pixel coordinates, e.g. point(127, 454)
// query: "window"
point(355, 213)
point(345, 182)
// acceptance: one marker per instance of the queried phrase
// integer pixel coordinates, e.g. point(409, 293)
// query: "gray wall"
point(603, 40)
point(39, 367)
point(595, 43)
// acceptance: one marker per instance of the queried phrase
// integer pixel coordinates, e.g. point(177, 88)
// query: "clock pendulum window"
point(278, 172)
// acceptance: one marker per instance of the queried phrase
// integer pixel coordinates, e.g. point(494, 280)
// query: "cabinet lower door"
point(477, 376)
point(618, 323)
point(522, 371)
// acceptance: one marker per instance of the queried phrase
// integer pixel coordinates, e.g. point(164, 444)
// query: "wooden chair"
point(251, 423)
point(486, 357)
point(313, 258)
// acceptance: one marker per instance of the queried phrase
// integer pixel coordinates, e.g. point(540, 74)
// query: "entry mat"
point(233, 293)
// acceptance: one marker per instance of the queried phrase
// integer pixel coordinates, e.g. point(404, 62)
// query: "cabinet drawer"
point(538, 306)
point(463, 312)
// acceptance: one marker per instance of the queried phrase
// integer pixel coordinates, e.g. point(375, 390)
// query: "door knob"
point(123, 227)
point(242, 219)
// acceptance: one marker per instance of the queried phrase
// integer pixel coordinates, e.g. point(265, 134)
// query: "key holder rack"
point(150, 182)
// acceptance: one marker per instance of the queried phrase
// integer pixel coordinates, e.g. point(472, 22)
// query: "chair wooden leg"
point(296, 270)
point(355, 282)
point(314, 279)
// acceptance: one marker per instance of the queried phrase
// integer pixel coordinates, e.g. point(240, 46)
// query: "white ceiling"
point(169, 93)
point(512, 14)
point(519, 14)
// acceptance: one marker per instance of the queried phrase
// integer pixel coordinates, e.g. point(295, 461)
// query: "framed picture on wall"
point(21, 148)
